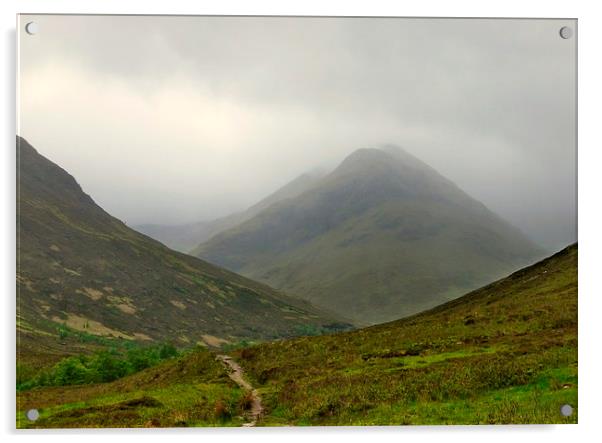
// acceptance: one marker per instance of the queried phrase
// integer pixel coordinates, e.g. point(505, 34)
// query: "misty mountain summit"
point(382, 236)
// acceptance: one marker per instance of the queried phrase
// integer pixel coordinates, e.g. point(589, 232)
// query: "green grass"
point(535, 402)
point(504, 406)
point(179, 405)
point(193, 390)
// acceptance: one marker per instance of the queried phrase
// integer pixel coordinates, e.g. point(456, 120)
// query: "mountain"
point(80, 270)
point(184, 238)
point(382, 236)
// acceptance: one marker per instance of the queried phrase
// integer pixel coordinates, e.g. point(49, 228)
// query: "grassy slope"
point(80, 267)
point(506, 353)
point(193, 390)
point(382, 237)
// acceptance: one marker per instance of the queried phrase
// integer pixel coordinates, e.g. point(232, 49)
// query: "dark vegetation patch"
point(100, 367)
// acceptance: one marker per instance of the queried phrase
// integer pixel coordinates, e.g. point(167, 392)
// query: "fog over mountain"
point(382, 237)
point(170, 120)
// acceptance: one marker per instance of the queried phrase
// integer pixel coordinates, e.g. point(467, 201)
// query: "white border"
point(590, 250)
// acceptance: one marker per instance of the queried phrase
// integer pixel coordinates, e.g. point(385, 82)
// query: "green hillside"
point(186, 238)
point(506, 353)
point(84, 277)
point(381, 237)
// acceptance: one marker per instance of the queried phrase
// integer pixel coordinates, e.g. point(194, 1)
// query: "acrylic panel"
point(286, 221)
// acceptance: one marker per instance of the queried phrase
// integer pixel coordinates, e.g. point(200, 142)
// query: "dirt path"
point(236, 374)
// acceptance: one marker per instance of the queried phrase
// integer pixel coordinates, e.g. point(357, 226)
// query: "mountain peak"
point(365, 159)
point(383, 157)
point(389, 170)
point(362, 241)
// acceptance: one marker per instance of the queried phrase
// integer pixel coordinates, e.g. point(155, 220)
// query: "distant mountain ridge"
point(80, 268)
point(185, 238)
point(382, 236)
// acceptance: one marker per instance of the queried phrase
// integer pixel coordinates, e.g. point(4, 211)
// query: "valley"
point(114, 329)
point(505, 353)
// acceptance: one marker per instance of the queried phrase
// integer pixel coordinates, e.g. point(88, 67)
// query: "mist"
point(171, 120)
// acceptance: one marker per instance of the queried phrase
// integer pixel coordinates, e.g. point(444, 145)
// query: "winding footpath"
point(236, 374)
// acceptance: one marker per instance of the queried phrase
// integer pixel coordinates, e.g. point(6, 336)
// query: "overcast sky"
point(178, 119)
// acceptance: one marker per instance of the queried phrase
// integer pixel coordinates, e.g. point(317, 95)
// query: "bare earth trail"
point(236, 374)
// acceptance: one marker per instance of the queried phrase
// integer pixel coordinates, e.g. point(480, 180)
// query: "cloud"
point(175, 119)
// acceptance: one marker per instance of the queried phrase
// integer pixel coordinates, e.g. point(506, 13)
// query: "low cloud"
point(176, 119)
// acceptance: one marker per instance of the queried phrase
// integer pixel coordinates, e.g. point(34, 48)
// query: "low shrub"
point(101, 367)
